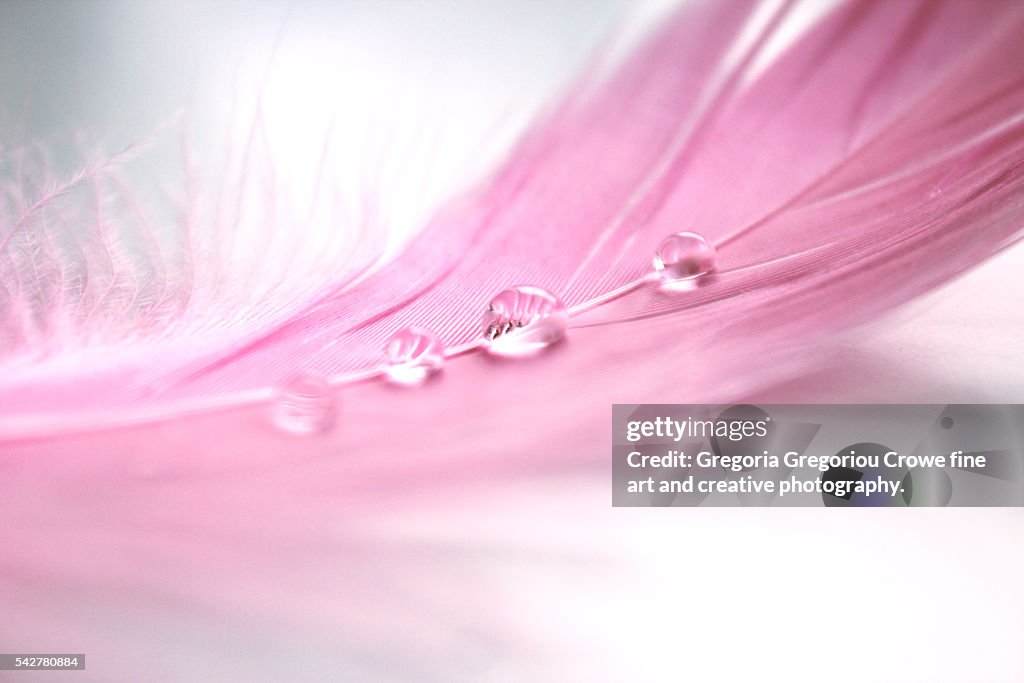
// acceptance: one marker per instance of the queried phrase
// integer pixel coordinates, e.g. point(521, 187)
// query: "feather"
point(841, 171)
point(828, 136)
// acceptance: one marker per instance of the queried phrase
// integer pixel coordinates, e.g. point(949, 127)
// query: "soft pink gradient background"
point(215, 548)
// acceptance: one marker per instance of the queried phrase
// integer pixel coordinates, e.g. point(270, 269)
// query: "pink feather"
point(873, 158)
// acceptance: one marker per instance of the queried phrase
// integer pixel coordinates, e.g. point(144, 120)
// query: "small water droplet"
point(684, 256)
point(305, 405)
point(524, 320)
point(414, 354)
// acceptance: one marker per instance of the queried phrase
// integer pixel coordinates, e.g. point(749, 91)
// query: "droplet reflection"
point(414, 354)
point(523, 321)
point(305, 405)
point(684, 256)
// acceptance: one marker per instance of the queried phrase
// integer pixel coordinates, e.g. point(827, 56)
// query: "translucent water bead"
point(683, 256)
point(305, 405)
point(414, 354)
point(523, 320)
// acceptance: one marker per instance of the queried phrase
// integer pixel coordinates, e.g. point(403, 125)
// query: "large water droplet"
point(683, 256)
point(524, 320)
point(305, 405)
point(414, 354)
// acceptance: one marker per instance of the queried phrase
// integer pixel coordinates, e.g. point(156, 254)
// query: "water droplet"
point(305, 405)
point(414, 354)
point(524, 320)
point(684, 256)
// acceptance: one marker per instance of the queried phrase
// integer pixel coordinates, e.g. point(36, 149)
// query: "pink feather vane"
point(872, 159)
point(875, 158)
